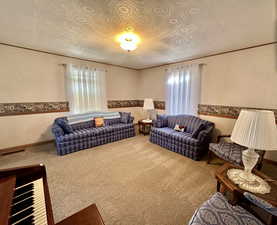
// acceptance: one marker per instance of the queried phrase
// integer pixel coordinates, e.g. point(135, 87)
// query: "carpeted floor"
point(133, 182)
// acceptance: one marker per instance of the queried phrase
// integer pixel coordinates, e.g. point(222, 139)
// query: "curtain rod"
point(200, 64)
point(64, 64)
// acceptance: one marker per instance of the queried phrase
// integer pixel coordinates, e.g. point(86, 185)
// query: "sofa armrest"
point(57, 130)
point(205, 135)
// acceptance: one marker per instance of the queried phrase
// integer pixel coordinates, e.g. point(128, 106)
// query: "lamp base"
point(248, 181)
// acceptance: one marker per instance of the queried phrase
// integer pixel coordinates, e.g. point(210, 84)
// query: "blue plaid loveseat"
point(85, 135)
point(193, 142)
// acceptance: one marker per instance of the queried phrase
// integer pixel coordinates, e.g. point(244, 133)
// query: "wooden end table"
point(144, 127)
point(235, 195)
point(224, 185)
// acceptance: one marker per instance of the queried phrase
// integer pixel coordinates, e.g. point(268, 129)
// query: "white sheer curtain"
point(183, 89)
point(86, 89)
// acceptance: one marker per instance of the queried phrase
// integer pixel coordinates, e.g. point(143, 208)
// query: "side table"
point(235, 194)
point(144, 127)
point(225, 185)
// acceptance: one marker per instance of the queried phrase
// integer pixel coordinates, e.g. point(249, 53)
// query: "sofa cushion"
point(162, 120)
point(218, 211)
point(164, 131)
point(158, 123)
point(125, 117)
point(76, 135)
point(121, 126)
point(109, 122)
point(63, 123)
point(171, 134)
point(83, 125)
point(197, 130)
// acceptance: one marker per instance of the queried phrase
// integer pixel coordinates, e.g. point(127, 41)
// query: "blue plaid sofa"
point(193, 142)
point(85, 135)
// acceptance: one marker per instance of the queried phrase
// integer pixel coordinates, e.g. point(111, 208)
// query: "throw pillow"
point(125, 117)
point(197, 130)
point(158, 123)
point(63, 123)
point(182, 128)
point(179, 128)
point(176, 127)
point(163, 119)
point(99, 121)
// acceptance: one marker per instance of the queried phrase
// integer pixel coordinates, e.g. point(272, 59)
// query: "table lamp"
point(148, 106)
point(254, 129)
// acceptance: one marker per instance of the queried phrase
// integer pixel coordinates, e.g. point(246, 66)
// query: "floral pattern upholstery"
point(217, 211)
point(230, 152)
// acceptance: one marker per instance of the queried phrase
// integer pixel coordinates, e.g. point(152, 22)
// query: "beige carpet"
point(133, 182)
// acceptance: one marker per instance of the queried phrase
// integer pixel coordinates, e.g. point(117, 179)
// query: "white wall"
point(28, 76)
point(243, 78)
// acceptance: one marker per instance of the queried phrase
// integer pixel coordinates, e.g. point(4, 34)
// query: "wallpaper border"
point(13, 109)
point(231, 112)
point(10, 109)
point(24, 108)
point(133, 103)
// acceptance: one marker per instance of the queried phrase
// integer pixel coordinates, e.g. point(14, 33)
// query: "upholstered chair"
point(230, 152)
point(218, 211)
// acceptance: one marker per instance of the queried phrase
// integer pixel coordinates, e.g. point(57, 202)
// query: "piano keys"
point(25, 200)
point(28, 206)
point(26, 196)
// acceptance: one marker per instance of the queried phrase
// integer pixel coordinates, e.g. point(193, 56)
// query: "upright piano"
point(25, 200)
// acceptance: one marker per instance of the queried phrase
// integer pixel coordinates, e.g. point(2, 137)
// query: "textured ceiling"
point(170, 30)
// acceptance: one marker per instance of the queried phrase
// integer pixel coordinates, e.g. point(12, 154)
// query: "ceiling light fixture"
point(128, 40)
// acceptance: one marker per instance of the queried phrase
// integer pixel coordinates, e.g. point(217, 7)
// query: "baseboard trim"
point(20, 148)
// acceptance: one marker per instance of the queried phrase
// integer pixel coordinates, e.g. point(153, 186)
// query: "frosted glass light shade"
point(256, 129)
point(148, 104)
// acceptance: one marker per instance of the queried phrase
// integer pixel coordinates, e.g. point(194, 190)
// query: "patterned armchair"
point(85, 135)
point(193, 142)
point(230, 152)
point(218, 211)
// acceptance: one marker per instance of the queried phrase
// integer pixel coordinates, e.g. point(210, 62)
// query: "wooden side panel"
point(7, 186)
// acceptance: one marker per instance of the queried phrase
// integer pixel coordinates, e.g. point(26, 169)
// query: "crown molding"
point(211, 55)
point(144, 68)
point(67, 56)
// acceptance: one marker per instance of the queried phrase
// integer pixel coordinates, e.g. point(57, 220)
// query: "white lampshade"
point(148, 104)
point(256, 129)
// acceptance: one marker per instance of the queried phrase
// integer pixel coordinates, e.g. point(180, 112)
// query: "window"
point(86, 89)
point(183, 85)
